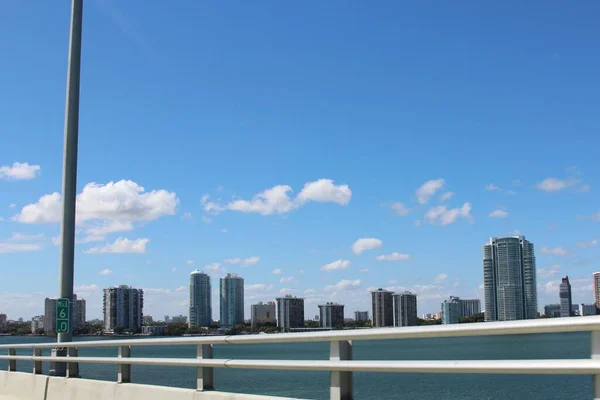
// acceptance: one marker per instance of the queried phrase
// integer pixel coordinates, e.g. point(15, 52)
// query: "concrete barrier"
point(26, 386)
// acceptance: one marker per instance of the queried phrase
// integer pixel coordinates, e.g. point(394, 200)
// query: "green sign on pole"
point(62, 315)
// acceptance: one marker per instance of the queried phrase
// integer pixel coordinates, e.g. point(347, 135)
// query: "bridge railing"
point(340, 363)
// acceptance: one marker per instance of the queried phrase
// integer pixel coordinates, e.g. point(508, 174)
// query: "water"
point(315, 385)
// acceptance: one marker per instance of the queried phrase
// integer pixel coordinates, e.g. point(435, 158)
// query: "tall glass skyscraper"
point(566, 304)
point(509, 279)
point(232, 301)
point(200, 299)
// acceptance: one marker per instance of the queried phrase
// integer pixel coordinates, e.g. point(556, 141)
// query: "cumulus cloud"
point(440, 278)
point(19, 171)
point(121, 245)
point(98, 231)
point(277, 271)
point(258, 287)
point(336, 265)
point(549, 272)
point(590, 243)
point(492, 188)
point(393, 257)
point(498, 214)
point(445, 197)
point(441, 215)
point(277, 200)
point(242, 261)
point(21, 243)
point(556, 185)
point(365, 244)
point(428, 189)
point(343, 285)
point(116, 201)
point(400, 209)
point(324, 190)
point(214, 267)
point(287, 279)
point(556, 251)
point(105, 271)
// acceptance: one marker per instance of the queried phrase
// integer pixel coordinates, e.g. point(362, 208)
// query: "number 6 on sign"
point(63, 314)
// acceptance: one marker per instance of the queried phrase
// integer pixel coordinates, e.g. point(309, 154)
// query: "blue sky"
point(335, 113)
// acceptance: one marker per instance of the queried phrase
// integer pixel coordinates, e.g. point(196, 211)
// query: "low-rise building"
point(361, 316)
point(587, 309)
point(147, 319)
point(552, 310)
point(154, 330)
point(262, 313)
point(37, 323)
point(179, 319)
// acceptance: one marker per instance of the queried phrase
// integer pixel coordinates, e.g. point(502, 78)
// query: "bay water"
point(375, 386)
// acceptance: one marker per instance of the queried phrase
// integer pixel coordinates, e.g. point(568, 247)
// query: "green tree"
point(118, 330)
point(474, 318)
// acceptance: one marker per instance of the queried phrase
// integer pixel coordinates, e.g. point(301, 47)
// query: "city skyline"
point(309, 164)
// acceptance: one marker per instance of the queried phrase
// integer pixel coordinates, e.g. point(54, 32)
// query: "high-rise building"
point(564, 292)
point(360, 316)
point(123, 306)
point(597, 288)
point(261, 313)
point(290, 312)
point(331, 315)
point(456, 308)
point(552, 310)
point(148, 320)
point(405, 309)
point(3, 322)
point(37, 323)
point(587, 309)
point(382, 304)
point(78, 314)
point(232, 301)
point(509, 279)
point(200, 300)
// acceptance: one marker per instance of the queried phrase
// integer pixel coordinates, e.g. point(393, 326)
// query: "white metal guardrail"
point(340, 363)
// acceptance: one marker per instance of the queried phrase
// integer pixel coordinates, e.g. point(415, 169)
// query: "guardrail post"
point(37, 365)
point(595, 335)
point(341, 381)
point(205, 377)
point(12, 364)
point(72, 367)
point(124, 370)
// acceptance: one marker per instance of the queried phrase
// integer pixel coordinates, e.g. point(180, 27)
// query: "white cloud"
point(498, 214)
point(441, 215)
point(258, 287)
point(556, 251)
point(393, 257)
point(545, 273)
point(593, 217)
point(583, 188)
point(445, 197)
point(343, 285)
point(214, 267)
point(115, 201)
point(288, 279)
point(98, 232)
point(121, 245)
point(277, 271)
point(105, 272)
point(336, 265)
point(224, 230)
point(510, 192)
point(555, 184)
point(583, 245)
point(13, 205)
point(400, 209)
point(287, 290)
point(514, 232)
point(428, 189)
point(324, 190)
point(365, 244)
point(82, 289)
point(363, 270)
point(242, 261)
point(187, 215)
point(19, 171)
point(310, 291)
point(492, 188)
point(440, 278)
point(271, 201)
point(190, 262)
point(17, 243)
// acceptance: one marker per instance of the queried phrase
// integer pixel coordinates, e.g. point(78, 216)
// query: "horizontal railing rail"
point(340, 363)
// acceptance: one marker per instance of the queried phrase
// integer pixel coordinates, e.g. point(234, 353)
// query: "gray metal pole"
point(69, 188)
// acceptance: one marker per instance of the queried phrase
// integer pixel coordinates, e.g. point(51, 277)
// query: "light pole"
point(69, 183)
